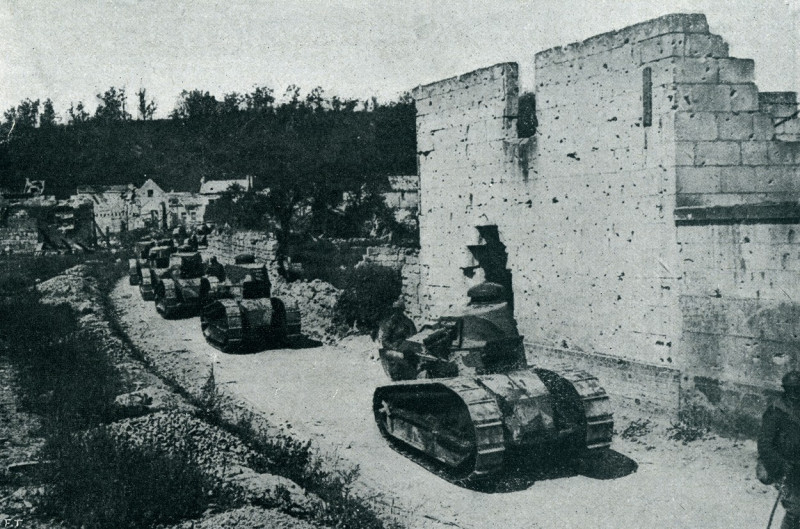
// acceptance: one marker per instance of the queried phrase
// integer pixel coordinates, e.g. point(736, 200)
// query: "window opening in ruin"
point(149, 192)
point(526, 118)
point(492, 258)
point(647, 96)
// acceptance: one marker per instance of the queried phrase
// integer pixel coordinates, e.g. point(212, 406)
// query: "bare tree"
point(146, 108)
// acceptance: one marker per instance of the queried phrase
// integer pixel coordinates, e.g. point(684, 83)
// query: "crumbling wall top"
point(674, 23)
point(507, 70)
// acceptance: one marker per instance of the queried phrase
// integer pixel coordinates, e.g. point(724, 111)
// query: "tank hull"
point(241, 325)
point(466, 425)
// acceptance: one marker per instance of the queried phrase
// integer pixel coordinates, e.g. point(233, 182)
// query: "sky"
point(71, 50)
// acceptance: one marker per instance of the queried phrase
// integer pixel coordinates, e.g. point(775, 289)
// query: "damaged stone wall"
point(226, 246)
point(406, 261)
point(19, 234)
point(649, 222)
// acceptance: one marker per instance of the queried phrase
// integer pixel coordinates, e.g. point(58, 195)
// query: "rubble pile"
point(162, 420)
point(247, 518)
point(216, 453)
point(316, 300)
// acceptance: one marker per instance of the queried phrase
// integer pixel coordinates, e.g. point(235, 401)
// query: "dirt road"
point(324, 394)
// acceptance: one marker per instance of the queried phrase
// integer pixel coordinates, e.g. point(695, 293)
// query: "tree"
point(315, 98)
point(231, 103)
point(48, 117)
point(78, 114)
point(146, 108)
point(260, 100)
point(112, 106)
point(196, 104)
point(24, 115)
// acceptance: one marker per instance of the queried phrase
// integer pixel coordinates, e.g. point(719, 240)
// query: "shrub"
point(63, 373)
point(96, 482)
point(21, 272)
point(368, 295)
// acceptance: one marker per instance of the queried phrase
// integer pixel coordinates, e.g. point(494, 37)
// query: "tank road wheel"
point(166, 297)
point(146, 285)
point(133, 272)
point(454, 422)
point(221, 322)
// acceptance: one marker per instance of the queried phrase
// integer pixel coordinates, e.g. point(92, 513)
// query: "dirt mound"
point(215, 452)
point(75, 286)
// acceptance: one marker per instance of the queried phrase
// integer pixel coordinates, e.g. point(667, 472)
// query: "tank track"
point(233, 332)
point(489, 447)
point(166, 298)
point(146, 285)
point(596, 406)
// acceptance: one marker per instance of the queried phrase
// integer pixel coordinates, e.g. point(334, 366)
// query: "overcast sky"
point(70, 50)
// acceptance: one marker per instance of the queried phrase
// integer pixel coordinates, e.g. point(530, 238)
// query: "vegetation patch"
point(368, 295)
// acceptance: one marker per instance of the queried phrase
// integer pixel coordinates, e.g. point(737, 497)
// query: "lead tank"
point(241, 314)
point(465, 396)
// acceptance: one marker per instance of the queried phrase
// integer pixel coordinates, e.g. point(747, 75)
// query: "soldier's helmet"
point(791, 381)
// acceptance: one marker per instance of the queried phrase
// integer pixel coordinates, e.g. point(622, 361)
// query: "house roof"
point(213, 187)
point(94, 189)
point(404, 183)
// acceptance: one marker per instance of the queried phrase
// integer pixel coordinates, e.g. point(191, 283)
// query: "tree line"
point(316, 155)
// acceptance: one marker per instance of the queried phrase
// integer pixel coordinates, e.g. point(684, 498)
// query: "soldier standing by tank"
point(779, 448)
point(215, 269)
point(396, 328)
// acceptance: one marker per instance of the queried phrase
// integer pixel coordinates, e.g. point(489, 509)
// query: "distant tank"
point(142, 250)
point(183, 290)
point(243, 316)
point(466, 397)
point(156, 267)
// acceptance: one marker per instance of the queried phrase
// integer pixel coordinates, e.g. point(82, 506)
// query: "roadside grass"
point(98, 483)
point(65, 375)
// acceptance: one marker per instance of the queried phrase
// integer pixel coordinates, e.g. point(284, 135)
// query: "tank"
point(465, 399)
point(183, 290)
point(242, 315)
point(156, 267)
point(142, 251)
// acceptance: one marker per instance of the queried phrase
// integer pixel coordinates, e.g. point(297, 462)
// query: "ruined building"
point(650, 228)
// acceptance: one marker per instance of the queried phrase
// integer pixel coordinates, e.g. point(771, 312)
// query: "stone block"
point(695, 126)
point(717, 153)
point(781, 153)
point(698, 180)
point(699, 45)
point(763, 129)
point(744, 97)
point(740, 179)
point(696, 70)
point(755, 152)
point(732, 126)
point(735, 71)
point(702, 98)
point(661, 47)
point(777, 179)
point(684, 153)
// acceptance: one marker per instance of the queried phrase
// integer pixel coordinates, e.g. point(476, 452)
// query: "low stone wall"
point(19, 239)
point(226, 246)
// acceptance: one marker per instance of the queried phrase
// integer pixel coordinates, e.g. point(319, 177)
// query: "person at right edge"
point(779, 448)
